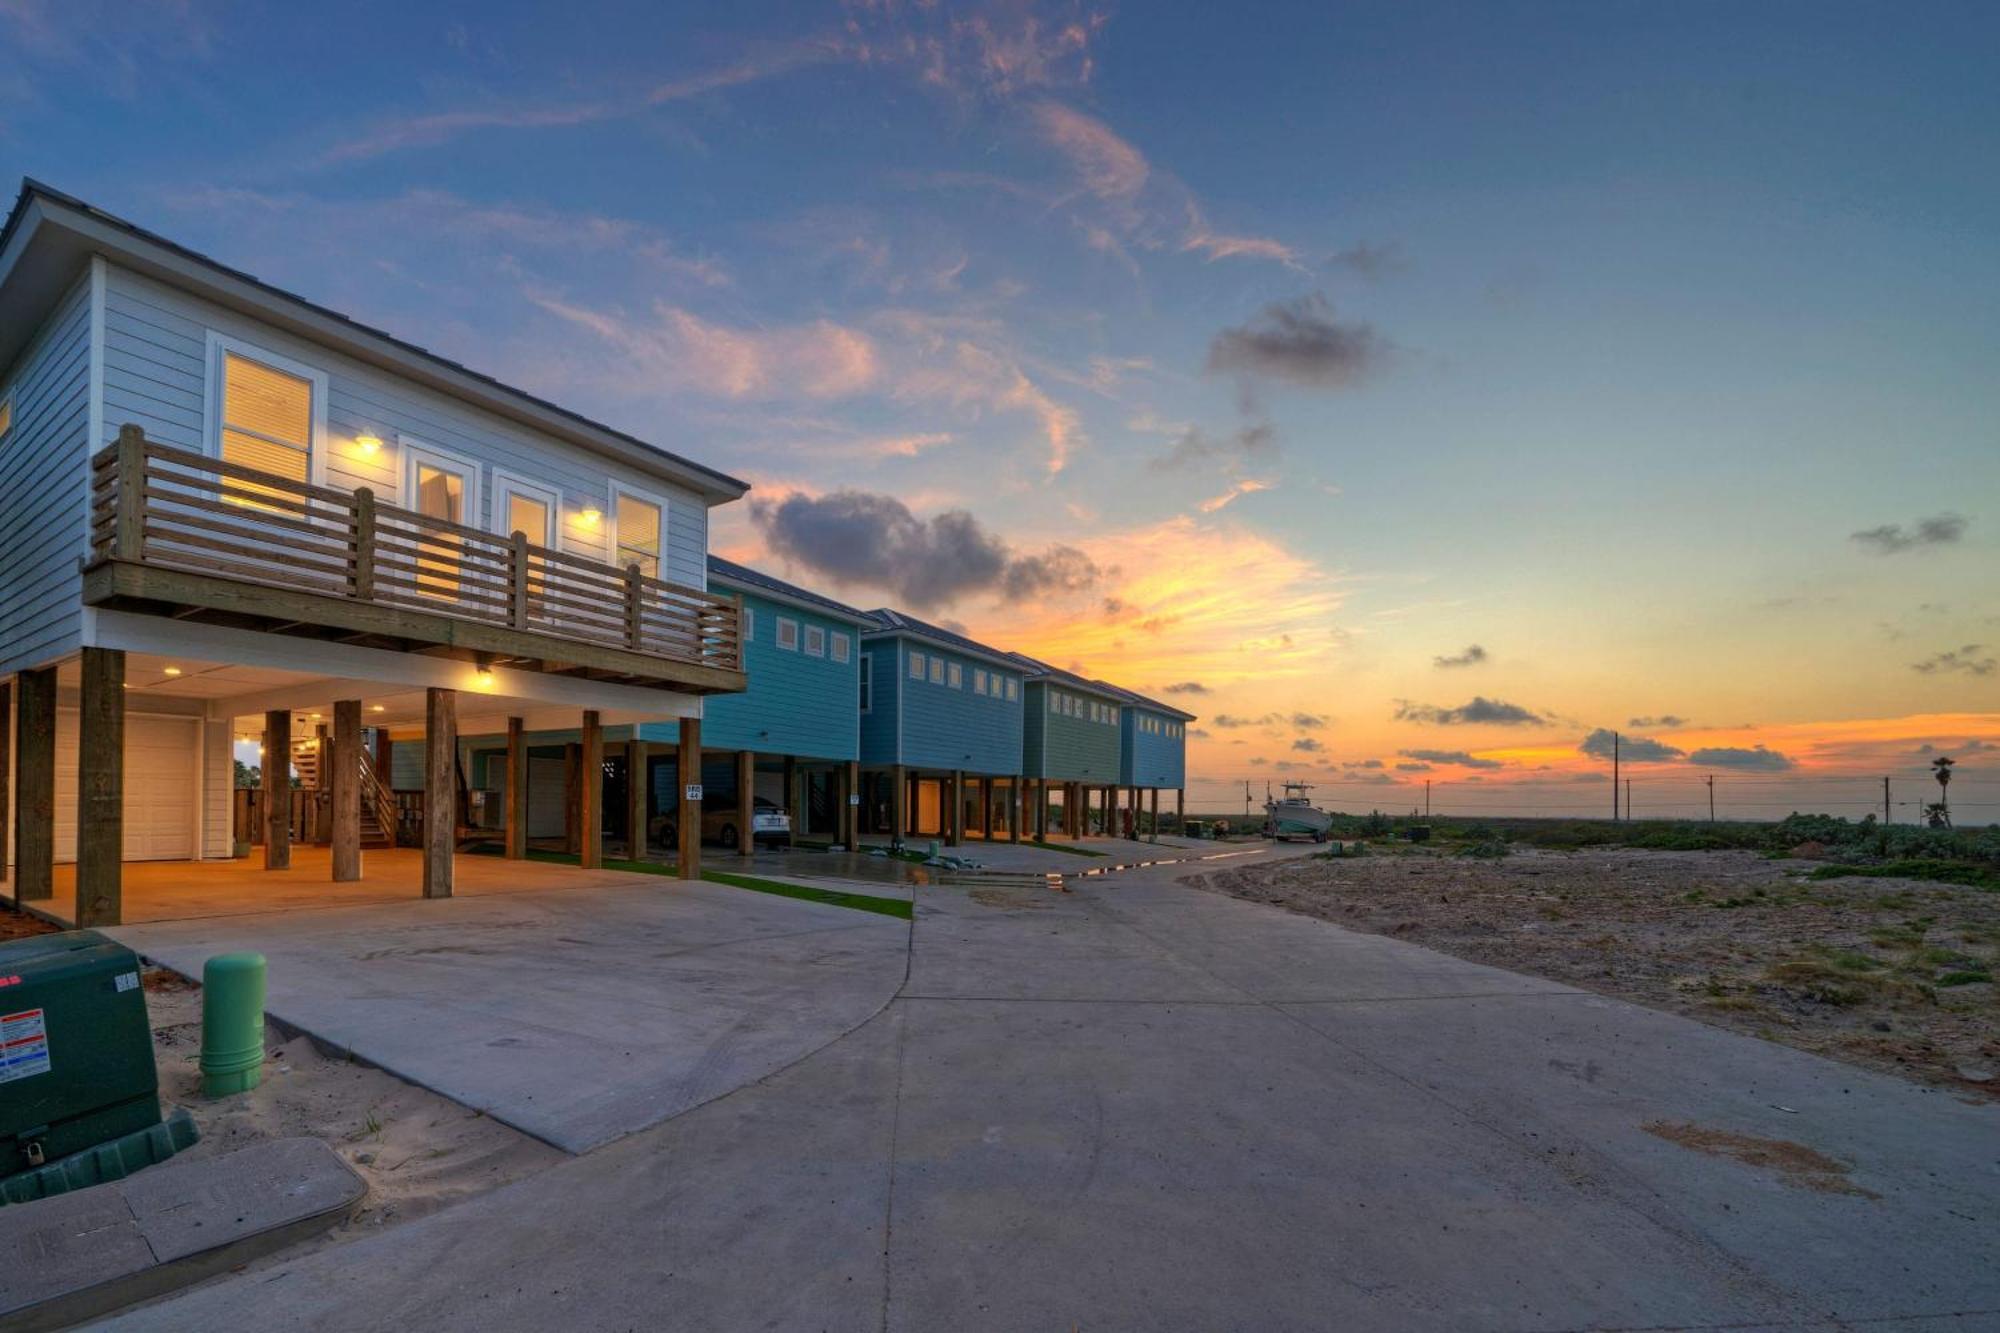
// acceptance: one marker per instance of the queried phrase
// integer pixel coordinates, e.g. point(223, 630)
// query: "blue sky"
point(1276, 350)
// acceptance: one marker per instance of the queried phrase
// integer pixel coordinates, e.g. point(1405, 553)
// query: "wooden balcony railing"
point(253, 545)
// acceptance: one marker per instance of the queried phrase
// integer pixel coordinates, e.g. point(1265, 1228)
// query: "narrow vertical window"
point(916, 666)
point(815, 641)
point(840, 647)
point(788, 634)
point(639, 534)
point(867, 670)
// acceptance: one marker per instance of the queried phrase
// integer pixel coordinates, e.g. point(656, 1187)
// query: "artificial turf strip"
point(860, 902)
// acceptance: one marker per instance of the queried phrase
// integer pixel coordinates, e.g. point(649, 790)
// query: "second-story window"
point(916, 666)
point(867, 673)
point(979, 680)
point(937, 669)
point(840, 647)
point(267, 418)
point(957, 676)
point(640, 524)
point(815, 641)
point(788, 634)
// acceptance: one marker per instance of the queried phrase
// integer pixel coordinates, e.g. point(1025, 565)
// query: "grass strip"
point(860, 902)
point(1936, 871)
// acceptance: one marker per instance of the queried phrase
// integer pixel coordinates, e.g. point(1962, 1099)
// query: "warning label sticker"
point(24, 1045)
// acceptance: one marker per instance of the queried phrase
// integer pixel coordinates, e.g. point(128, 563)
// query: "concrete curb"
point(77, 1256)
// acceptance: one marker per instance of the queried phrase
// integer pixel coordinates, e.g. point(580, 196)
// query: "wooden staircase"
point(378, 807)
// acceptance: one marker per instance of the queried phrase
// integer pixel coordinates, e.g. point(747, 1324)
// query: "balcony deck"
point(180, 534)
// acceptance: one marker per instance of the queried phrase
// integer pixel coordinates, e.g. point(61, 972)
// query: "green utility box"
point(76, 1051)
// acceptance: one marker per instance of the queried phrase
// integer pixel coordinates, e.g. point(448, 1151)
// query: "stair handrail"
point(378, 798)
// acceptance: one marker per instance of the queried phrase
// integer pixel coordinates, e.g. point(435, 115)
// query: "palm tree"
point(1941, 770)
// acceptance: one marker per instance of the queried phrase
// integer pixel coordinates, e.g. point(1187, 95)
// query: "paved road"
point(1142, 1106)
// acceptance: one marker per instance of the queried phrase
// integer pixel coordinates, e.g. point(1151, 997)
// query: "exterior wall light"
point(590, 516)
point(369, 445)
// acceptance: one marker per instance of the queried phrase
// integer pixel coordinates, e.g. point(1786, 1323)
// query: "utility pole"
point(1246, 798)
point(1614, 777)
point(1711, 798)
point(1628, 798)
point(1885, 801)
point(1427, 800)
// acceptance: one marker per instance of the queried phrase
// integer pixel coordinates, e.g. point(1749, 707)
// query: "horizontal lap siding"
point(155, 374)
point(42, 479)
point(1152, 759)
point(878, 724)
point(1075, 749)
point(796, 704)
point(945, 728)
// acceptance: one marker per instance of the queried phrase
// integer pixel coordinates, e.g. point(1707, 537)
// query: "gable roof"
point(1137, 700)
point(889, 621)
point(755, 580)
point(49, 236)
point(1043, 671)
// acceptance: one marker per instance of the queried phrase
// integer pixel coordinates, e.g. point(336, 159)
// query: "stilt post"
point(514, 800)
point(590, 794)
point(100, 790)
point(440, 789)
point(343, 785)
point(278, 789)
point(35, 778)
point(689, 817)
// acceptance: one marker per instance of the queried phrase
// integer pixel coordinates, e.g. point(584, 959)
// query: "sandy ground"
point(1881, 972)
point(418, 1151)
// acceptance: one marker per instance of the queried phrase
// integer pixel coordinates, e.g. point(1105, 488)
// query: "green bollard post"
point(232, 1023)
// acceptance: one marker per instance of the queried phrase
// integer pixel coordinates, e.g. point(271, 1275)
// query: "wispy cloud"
point(1893, 538)
point(1247, 486)
point(1472, 656)
point(1460, 758)
point(1971, 660)
point(1476, 711)
point(1299, 342)
point(677, 349)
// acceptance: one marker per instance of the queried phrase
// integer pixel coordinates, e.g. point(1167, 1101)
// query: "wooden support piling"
point(688, 820)
point(440, 789)
point(278, 789)
point(514, 800)
point(590, 793)
point(343, 785)
point(100, 790)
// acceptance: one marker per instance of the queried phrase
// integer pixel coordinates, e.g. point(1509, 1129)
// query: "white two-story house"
point(230, 516)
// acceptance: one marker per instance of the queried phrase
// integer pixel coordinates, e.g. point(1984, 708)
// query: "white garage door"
point(162, 784)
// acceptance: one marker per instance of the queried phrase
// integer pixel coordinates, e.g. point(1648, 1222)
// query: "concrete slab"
point(1088, 1114)
point(577, 1015)
point(73, 1256)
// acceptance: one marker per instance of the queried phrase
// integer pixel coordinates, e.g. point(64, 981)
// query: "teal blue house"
point(802, 653)
point(1069, 744)
point(940, 732)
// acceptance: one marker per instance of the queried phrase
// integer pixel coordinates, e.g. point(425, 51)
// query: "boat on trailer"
point(1293, 815)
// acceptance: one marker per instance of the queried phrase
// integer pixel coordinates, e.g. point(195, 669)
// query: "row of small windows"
point(1159, 726)
point(940, 671)
point(1075, 705)
point(787, 636)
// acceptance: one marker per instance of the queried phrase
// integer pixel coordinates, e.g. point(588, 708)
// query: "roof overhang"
point(50, 237)
point(999, 659)
point(860, 620)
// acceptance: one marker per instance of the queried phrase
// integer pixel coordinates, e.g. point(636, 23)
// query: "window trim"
point(809, 631)
point(937, 669)
point(916, 664)
point(979, 680)
point(778, 636)
point(411, 451)
point(218, 346)
point(505, 484)
point(1013, 689)
point(840, 647)
point(612, 492)
point(749, 624)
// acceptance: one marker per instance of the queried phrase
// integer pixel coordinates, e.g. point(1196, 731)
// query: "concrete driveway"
point(1140, 1106)
point(576, 1013)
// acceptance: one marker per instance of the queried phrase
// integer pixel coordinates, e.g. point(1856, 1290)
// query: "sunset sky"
point(1410, 390)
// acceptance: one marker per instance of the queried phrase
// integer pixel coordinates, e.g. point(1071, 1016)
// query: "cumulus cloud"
point(1307, 745)
point(855, 537)
point(1230, 721)
point(1757, 760)
point(1185, 687)
point(1479, 709)
point(1407, 767)
point(1632, 749)
point(1301, 343)
point(1362, 763)
point(1309, 721)
point(1462, 758)
point(1891, 538)
point(1256, 443)
point(1472, 656)
point(1666, 721)
point(1966, 661)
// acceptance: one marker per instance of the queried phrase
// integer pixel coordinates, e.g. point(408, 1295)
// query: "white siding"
point(218, 833)
point(42, 474)
point(155, 374)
